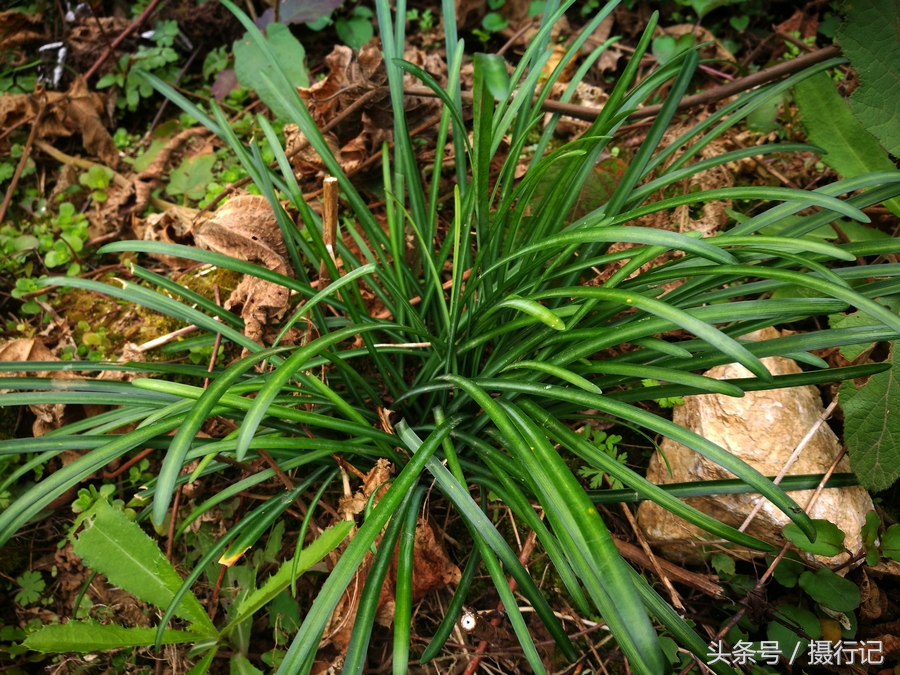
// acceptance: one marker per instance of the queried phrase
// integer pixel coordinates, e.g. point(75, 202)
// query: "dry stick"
point(282, 476)
point(771, 570)
point(173, 520)
point(81, 163)
point(676, 599)
point(329, 226)
point(124, 34)
point(26, 151)
point(589, 113)
point(215, 351)
point(696, 581)
point(793, 458)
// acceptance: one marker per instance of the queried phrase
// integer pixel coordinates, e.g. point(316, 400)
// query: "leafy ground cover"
point(347, 344)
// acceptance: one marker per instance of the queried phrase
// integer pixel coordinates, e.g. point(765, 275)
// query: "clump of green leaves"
point(159, 60)
point(606, 443)
point(666, 401)
point(59, 241)
point(97, 179)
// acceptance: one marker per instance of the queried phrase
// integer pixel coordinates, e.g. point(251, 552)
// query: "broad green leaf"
point(249, 62)
point(493, 22)
point(119, 549)
point(192, 176)
point(322, 546)
point(827, 588)
point(852, 150)
point(356, 30)
point(890, 542)
point(788, 639)
point(145, 159)
point(872, 426)
point(868, 37)
point(829, 538)
point(90, 636)
point(869, 535)
point(850, 352)
point(723, 564)
point(495, 76)
point(788, 570)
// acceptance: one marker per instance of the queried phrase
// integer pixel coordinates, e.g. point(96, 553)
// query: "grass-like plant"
point(487, 370)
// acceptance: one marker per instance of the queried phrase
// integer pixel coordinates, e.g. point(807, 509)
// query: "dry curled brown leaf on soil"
point(359, 136)
point(48, 416)
point(246, 228)
point(18, 29)
point(76, 111)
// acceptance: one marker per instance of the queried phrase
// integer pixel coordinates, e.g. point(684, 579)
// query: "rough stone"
point(762, 429)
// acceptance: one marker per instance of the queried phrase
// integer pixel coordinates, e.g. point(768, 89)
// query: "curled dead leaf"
point(20, 29)
point(245, 227)
point(77, 110)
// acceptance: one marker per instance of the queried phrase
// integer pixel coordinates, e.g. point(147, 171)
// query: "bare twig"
point(26, 151)
point(778, 558)
point(589, 114)
point(793, 458)
point(124, 34)
point(329, 226)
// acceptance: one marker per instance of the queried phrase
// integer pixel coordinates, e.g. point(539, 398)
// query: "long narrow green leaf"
point(297, 660)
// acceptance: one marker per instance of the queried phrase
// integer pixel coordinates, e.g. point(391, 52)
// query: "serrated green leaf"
point(872, 426)
point(118, 548)
point(850, 352)
point(90, 636)
point(868, 37)
point(723, 564)
point(322, 546)
point(249, 62)
point(192, 176)
point(852, 151)
point(829, 538)
point(827, 588)
point(890, 542)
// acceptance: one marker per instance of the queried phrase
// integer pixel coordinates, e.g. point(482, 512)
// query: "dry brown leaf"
point(135, 197)
point(77, 110)
point(804, 24)
point(245, 227)
point(873, 601)
point(89, 31)
point(48, 416)
point(469, 13)
point(18, 29)
point(362, 132)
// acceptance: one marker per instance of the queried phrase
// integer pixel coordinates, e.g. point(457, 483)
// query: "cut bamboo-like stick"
point(329, 226)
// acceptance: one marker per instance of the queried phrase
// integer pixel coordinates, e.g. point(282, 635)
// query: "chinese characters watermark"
point(819, 653)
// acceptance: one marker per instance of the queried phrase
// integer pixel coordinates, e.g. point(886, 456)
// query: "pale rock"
point(762, 429)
